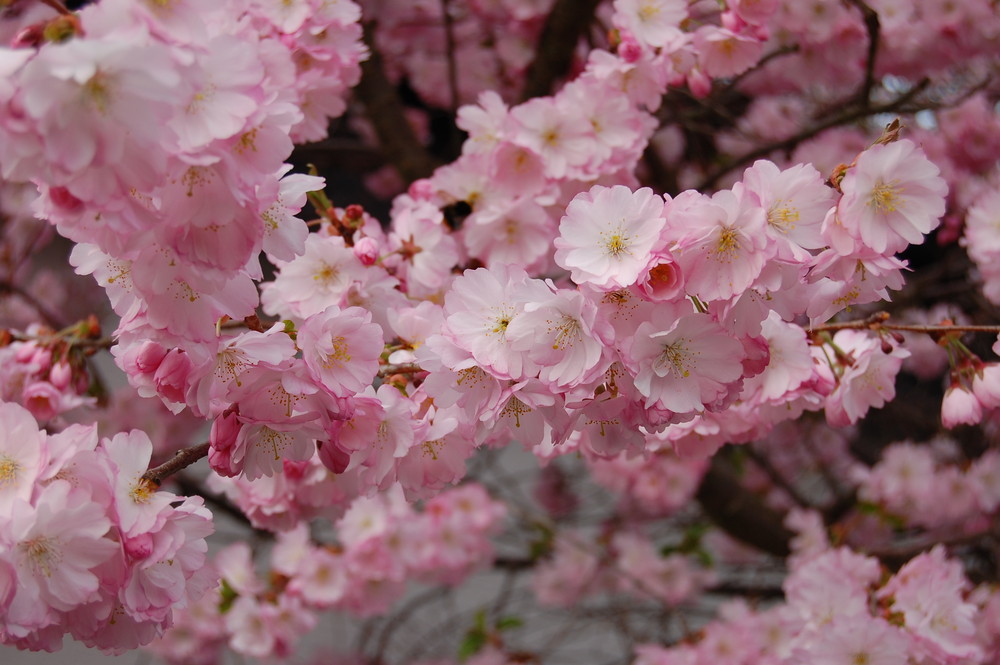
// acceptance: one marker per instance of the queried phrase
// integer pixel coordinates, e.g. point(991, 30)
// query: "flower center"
point(616, 243)
point(675, 359)
point(43, 554)
point(728, 245)
point(884, 197)
point(9, 468)
point(338, 353)
point(567, 332)
point(142, 491)
point(782, 217)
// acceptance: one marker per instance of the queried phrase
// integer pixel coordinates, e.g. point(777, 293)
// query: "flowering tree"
point(658, 246)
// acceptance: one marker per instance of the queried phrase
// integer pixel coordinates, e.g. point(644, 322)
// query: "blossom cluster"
point(841, 608)
point(382, 543)
point(530, 291)
point(915, 484)
point(630, 564)
point(88, 546)
point(45, 379)
point(157, 139)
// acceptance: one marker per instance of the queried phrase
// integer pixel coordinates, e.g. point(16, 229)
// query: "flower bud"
point(367, 250)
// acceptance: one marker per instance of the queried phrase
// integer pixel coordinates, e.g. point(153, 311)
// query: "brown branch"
point(566, 23)
point(874, 28)
point(764, 463)
point(181, 460)
point(791, 142)
point(53, 319)
point(384, 110)
point(218, 503)
point(449, 40)
point(777, 53)
point(740, 513)
point(402, 368)
point(877, 321)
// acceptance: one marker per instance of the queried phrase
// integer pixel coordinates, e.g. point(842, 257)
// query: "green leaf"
point(472, 644)
point(507, 623)
point(227, 596)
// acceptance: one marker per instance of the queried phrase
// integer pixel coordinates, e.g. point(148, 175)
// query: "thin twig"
point(791, 142)
point(53, 319)
point(877, 321)
point(449, 40)
point(401, 368)
point(400, 617)
point(874, 29)
point(762, 461)
point(181, 460)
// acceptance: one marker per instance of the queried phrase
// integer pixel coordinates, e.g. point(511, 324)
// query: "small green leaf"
point(227, 596)
point(507, 623)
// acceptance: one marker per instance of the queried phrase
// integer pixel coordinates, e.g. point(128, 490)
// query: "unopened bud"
point(366, 249)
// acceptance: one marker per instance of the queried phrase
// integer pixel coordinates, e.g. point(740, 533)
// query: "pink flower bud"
point(60, 375)
point(139, 547)
point(25, 352)
point(960, 407)
point(171, 376)
point(8, 585)
point(41, 358)
point(222, 439)
point(42, 399)
point(367, 250)
point(146, 359)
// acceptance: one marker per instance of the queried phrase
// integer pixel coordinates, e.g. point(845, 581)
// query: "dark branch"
point(740, 513)
point(181, 460)
point(877, 321)
point(449, 37)
point(789, 144)
point(53, 319)
point(384, 110)
point(874, 28)
point(566, 23)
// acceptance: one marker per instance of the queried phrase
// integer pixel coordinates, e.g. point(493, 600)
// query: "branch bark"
point(384, 110)
point(181, 460)
point(874, 29)
point(740, 513)
point(566, 23)
point(852, 115)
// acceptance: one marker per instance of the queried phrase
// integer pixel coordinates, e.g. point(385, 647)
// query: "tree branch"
point(740, 513)
point(874, 28)
point(563, 28)
point(877, 321)
point(449, 37)
point(384, 110)
point(402, 368)
point(53, 319)
point(791, 142)
point(181, 460)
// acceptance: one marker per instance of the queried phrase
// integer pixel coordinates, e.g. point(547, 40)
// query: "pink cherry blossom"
point(893, 196)
point(607, 235)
